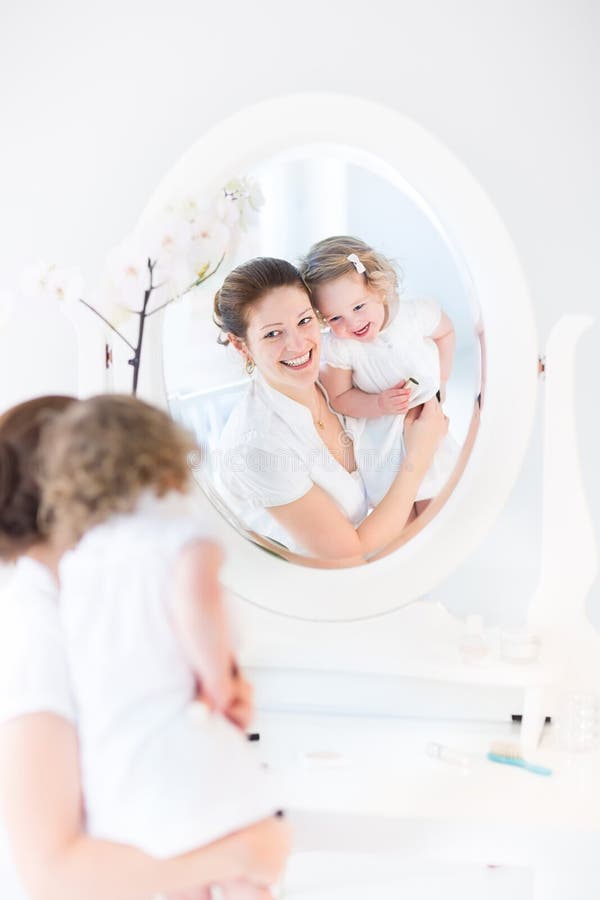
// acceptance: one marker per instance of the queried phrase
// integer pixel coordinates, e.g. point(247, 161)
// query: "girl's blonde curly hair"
point(328, 259)
point(101, 454)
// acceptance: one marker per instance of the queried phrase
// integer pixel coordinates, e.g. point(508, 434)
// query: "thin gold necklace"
point(318, 421)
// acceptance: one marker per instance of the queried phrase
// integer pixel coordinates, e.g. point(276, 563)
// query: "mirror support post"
point(568, 554)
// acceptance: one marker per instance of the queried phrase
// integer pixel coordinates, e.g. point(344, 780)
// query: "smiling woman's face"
point(283, 338)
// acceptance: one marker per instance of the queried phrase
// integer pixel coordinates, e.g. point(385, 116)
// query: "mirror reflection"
point(338, 396)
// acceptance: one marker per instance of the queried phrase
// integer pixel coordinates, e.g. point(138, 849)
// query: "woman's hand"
point(262, 850)
point(424, 429)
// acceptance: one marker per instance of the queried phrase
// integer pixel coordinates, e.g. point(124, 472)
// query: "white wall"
point(98, 101)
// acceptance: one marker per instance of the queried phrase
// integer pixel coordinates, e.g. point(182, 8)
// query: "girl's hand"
point(394, 401)
point(238, 703)
point(241, 706)
point(424, 429)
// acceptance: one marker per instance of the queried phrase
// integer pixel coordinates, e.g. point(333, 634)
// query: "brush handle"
point(520, 763)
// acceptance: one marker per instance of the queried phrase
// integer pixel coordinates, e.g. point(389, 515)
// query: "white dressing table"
point(386, 797)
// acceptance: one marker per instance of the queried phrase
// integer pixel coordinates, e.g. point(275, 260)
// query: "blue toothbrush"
point(507, 756)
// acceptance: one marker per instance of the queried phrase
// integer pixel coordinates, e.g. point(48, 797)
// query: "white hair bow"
point(353, 258)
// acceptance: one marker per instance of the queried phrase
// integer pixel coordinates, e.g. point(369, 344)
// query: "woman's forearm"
point(391, 515)
point(99, 870)
point(56, 860)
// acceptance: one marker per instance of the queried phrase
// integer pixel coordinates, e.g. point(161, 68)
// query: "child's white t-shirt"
point(158, 771)
point(403, 349)
point(33, 670)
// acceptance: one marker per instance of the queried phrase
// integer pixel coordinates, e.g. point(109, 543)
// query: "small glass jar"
point(519, 646)
point(473, 646)
point(578, 721)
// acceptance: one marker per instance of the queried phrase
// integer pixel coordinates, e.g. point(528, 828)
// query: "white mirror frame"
point(482, 243)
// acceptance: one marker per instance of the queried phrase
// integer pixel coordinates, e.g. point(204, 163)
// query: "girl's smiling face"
point(352, 309)
point(283, 337)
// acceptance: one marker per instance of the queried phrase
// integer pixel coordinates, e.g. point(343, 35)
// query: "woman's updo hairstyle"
point(328, 259)
point(21, 430)
point(245, 286)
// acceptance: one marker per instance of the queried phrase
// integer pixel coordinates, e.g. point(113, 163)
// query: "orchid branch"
point(187, 290)
point(135, 361)
point(106, 322)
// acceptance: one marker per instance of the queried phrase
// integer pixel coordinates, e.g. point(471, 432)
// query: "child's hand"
point(237, 698)
point(241, 705)
point(395, 400)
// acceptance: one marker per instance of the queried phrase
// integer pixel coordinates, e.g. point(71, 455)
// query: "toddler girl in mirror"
point(382, 356)
point(145, 628)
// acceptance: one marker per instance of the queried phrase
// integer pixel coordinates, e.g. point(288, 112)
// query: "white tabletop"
point(368, 784)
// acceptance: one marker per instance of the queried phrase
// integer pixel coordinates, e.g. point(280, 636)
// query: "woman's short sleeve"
point(337, 353)
point(33, 668)
point(264, 476)
point(425, 314)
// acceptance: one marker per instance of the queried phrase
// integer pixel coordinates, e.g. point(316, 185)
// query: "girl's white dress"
point(401, 350)
point(158, 771)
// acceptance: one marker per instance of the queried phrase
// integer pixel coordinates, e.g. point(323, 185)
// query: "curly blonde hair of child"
point(99, 456)
point(328, 259)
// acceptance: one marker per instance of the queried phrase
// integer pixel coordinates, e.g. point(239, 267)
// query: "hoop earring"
point(250, 366)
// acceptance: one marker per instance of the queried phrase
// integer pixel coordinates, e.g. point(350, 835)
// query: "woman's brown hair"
point(245, 286)
point(21, 430)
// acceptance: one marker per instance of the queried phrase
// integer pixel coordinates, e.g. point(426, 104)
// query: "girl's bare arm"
point(350, 401)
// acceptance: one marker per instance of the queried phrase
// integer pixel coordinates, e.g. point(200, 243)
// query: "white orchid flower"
point(164, 238)
point(46, 281)
point(66, 285)
point(190, 207)
point(256, 198)
point(127, 273)
point(241, 197)
point(208, 244)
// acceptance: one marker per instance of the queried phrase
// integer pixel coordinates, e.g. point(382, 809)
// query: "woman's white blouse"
point(33, 667)
point(270, 454)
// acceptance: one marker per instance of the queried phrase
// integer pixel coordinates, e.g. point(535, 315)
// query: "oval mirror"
point(392, 185)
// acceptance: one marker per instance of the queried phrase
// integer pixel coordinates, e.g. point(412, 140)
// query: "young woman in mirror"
point(287, 460)
point(40, 786)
